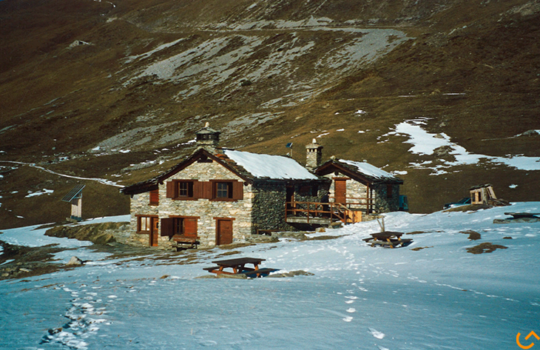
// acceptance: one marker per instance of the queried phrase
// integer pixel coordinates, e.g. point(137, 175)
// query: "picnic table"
point(238, 267)
point(388, 239)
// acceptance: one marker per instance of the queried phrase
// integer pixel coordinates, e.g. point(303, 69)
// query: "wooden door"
point(340, 188)
point(154, 232)
point(224, 232)
point(289, 196)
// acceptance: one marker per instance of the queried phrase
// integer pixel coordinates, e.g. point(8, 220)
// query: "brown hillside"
point(137, 78)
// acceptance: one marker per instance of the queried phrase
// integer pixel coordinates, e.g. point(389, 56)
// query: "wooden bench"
point(211, 268)
point(180, 240)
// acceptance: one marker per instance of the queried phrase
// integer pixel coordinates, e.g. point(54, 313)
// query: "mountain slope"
point(116, 90)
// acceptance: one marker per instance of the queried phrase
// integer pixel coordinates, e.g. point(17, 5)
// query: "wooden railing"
point(330, 210)
point(363, 203)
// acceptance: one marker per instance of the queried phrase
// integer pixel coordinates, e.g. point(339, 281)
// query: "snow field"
point(439, 297)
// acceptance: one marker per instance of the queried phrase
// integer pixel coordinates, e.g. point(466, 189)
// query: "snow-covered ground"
point(439, 297)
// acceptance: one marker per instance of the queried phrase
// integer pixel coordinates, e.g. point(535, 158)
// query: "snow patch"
point(425, 143)
point(39, 193)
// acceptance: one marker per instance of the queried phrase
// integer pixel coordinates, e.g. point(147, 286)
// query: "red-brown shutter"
point(190, 227)
point(167, 227)
point(154, 197)
point(238, 190)
point(197, 190)
point(207, 190)
point(170, 189)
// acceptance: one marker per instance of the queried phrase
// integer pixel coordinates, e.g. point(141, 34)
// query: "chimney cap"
point(207, 130)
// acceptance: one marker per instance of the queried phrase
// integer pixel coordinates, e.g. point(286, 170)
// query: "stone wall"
point(140, 205)
point(382, 203)
point(269, 206)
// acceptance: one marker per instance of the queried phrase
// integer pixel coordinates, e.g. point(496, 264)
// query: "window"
point(182, 189)
point(219, 190)
point(223, 190)
point(144, 224)
point(154, 197)
point(185, 189)
point(178, 226)
point(389, 191)
point(307, 190)
point(185, 226)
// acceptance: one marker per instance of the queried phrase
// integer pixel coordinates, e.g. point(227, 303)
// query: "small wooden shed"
point(481, 194)
point(75, 198)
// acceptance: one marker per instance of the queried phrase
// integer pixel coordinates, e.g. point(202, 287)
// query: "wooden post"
point(76, 208)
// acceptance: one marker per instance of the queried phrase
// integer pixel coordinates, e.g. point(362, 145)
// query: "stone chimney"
point(207, 138)
point(313, 155)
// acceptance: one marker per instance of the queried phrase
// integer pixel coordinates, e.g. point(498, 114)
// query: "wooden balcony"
point(318, 213)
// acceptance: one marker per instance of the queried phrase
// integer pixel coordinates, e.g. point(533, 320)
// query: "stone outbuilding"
point(360, 185)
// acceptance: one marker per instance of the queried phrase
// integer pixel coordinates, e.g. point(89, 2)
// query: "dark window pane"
point(223, 190)
point(185, 189)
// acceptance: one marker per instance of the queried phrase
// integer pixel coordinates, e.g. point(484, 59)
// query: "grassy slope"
point(489, 57)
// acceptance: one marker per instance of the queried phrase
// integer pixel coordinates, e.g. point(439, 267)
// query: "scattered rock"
point(415, 232)
point(473, 235)
point(507, 237)
point(24, 270)
point(420, 248)
point(291, 274)
point(78, 43)
point(442, 151)
point(336, 225)
point(74, 261)
point(324, 238)
point(516, 221)
point(486, 247)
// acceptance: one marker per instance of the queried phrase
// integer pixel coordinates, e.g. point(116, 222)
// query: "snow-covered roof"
point(370, 170)
point(273, 167)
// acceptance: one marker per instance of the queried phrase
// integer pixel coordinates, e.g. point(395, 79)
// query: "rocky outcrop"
point(103, 233)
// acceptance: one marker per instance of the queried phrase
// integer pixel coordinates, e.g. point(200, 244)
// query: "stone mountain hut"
point(218, 196)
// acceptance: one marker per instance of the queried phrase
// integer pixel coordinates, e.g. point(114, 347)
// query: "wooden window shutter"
point(197, 190)
point(238, 190)
point(171, 189)
point(167, 227)
point(154, 197)
point(190, 227)
point(207, 190)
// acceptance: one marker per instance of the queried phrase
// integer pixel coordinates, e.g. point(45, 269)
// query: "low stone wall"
point(103, 233)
